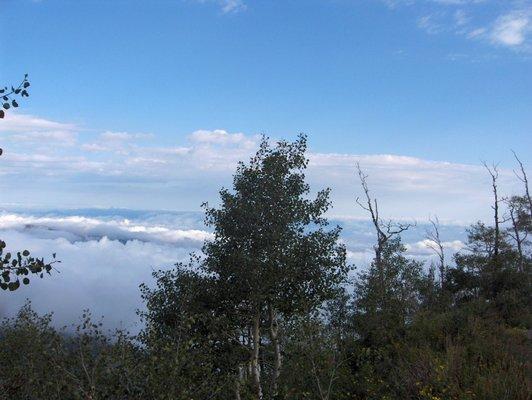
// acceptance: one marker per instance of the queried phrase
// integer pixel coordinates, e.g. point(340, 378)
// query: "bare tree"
point(385, 230)
point(435, 243)
point(494, 173)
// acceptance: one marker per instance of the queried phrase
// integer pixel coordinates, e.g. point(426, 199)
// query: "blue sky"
point(436, 80)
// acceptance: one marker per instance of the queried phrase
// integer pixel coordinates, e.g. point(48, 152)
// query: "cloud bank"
point(106, 254)
point(52, 164)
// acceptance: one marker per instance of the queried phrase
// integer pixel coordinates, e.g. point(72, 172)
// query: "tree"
point(435, 243)
point(389, 270)
point(192, 344)
point(386, 231)
point(520, 226)
point(494, 173)
point(272, 248)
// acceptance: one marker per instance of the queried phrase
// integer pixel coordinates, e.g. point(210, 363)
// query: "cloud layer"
point(52, 164)
point(106, 254)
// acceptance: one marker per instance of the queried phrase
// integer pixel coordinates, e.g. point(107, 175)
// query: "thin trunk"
point(380, 268)
point(497, 228)
point(442, 271)
point(518, 239)
point(255, 367)
point(274, 336)
point(238, 382)
point(496, 240)
point(318, 382)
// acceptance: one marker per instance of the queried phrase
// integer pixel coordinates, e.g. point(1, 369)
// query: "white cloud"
point(14, 122)
point(220, 136)
point(123, 136)
point(66, 138)
point(106, 254)
point(407, 186)
point(118, 142)
point(125, 170)
point(425, 247)
point(429, 25)
point(504, 24)
point(101, 274)
point(461, 18)
point(79, 228)
point(512, 29)
point(479, 32)
point(94, 147)
point(227, 6)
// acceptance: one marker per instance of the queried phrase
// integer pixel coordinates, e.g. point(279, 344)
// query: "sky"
point(130, 97)
point(148, 106)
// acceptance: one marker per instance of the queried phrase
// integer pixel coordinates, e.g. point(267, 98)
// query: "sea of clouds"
point(107, 253)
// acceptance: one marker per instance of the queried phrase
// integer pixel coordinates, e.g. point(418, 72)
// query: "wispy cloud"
point(14, 122)
point(505, 24)
point(513, 29)
point(227, 6)
point(65, 138)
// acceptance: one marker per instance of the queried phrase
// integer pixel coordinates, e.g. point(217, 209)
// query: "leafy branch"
point(15, 268)
point(8, 96)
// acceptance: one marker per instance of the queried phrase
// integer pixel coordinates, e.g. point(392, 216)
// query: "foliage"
point(13, 269)
point(9, 95)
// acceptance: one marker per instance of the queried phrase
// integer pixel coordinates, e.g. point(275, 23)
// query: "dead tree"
point(385, 230)
point(435, 243)
point(523, 178)
point(494, 173)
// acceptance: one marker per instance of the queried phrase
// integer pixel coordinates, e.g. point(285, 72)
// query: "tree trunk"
point(518, 240)
point(380, 268)
point(274, 336)
point(255, 367)
point(497, 229)
point(238, 382)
